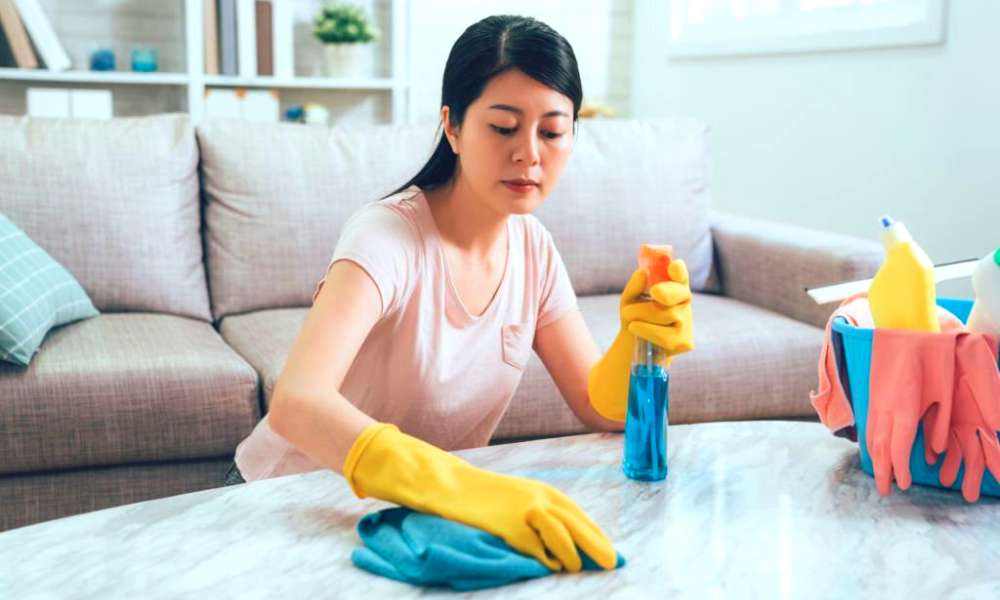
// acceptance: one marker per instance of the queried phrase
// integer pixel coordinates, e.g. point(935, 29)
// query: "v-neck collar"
point(463, 314)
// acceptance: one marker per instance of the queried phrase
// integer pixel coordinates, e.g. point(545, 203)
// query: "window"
point(735, 27)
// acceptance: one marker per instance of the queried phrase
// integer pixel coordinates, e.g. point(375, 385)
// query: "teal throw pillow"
point(36, 294)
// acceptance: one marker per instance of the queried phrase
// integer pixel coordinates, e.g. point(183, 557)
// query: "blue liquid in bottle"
point(646, 420)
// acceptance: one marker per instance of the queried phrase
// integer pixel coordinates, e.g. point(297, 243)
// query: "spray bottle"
point(902, 294)
point(649, 388)
point(985, 315)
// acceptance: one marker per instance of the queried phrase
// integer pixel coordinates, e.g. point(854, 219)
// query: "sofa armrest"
point(770, 264)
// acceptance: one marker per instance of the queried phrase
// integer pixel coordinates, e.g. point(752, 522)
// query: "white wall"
point(598, 30)
point(833, 140)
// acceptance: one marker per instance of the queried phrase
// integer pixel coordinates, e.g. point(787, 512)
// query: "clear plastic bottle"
point(648, 409)
point(985, 315)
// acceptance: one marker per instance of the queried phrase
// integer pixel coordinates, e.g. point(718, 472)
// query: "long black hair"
point(483, 51)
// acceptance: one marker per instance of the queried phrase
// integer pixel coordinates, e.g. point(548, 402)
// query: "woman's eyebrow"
point(514, 109)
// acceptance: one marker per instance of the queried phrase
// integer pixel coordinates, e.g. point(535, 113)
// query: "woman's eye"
point(510, 130)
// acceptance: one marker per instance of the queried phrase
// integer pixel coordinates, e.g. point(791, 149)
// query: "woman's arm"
point(568, 352)
point(533, 517)
point(306, 407)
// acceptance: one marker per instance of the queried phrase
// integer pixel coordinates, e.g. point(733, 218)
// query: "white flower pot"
point(342, 60)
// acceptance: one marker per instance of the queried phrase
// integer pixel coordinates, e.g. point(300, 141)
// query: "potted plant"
point(343, 29)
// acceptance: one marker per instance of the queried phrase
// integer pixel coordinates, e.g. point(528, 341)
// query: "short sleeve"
point(381, 242)
point(558, 296)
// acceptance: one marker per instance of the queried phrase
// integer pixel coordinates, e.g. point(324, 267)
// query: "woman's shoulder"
point(395, 215)
point(405, 196)
point(535, 232)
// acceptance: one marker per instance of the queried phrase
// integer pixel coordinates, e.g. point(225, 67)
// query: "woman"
point(434, 299)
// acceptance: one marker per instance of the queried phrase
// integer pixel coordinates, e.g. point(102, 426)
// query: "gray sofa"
point(202, 247)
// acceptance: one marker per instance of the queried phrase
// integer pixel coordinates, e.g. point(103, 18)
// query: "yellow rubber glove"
point(666, 321)
point(533, 517)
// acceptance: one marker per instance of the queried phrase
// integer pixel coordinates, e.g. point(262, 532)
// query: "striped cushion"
point(36, 294)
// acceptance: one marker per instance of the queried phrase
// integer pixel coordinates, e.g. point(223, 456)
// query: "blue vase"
point(144, 60)
point(102, 59)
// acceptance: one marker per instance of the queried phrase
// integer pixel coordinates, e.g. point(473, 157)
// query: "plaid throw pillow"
point(36, 294)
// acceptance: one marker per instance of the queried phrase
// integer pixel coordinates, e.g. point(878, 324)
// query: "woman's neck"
point(465, 222)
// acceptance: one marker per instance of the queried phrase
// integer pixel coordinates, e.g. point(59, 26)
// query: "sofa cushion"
point(36, 294)
point(748, 363)
point(277, 195)
point(264, 338)
point(125, 388)
point(630, 182)
point(115, 202)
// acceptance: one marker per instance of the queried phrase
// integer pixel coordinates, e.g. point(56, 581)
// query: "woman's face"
point(518, 129)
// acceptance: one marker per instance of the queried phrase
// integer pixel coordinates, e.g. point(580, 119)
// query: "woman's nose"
point(526, 150)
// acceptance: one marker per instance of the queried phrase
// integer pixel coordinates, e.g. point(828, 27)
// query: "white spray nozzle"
point(893, 232)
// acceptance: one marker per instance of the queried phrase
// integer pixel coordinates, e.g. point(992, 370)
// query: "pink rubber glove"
point(975, 417)
point(912, 378)
point(830, 400)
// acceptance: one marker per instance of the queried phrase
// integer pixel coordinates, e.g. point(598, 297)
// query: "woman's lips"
point(521, 188)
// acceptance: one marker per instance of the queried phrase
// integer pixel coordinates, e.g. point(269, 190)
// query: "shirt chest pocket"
point(516, 340)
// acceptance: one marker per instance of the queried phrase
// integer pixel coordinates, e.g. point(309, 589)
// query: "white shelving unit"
point(196, 81)
point(107, 77)
point(318, 83)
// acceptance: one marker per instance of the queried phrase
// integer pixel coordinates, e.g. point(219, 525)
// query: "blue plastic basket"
point(853, 347)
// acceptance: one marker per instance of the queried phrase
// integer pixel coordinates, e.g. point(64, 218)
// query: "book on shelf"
point(265, 48)
point(210, 22)
point(15, 38)
point(6, 56)
point(283, 38)
point(43, 35)
point(227, 36)
point(250, 38)
point(246, 37)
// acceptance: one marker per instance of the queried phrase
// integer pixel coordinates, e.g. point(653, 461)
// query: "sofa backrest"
point(115, 202)
point(629, 182)
point(278, 194)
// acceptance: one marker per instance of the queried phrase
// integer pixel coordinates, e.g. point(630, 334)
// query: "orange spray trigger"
point(655, 260)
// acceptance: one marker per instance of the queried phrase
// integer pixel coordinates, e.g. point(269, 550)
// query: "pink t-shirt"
point(428, 366)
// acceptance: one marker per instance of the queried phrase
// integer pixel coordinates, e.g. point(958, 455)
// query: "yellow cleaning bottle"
point(902, 294)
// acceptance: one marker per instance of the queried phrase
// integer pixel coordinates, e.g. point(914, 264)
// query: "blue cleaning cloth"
point(428, 550)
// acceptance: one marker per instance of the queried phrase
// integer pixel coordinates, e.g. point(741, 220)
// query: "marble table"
point(763, 509)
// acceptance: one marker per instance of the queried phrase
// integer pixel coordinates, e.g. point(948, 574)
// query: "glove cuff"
point(357, 449)
point(617, 414)
point(607, 382)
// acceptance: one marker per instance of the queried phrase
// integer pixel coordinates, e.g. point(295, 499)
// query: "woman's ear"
point(449, 132)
